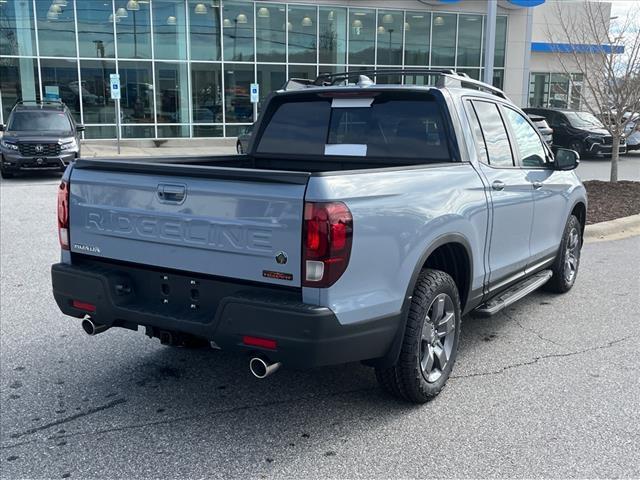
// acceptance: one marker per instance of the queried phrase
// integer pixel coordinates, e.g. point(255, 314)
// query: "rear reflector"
point(87, 307)
point(260, 342)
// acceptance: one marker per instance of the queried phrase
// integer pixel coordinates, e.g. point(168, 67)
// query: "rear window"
point(37, 120)
point(382, 126)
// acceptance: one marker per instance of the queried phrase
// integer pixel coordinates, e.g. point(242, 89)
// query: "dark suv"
point(579, 131)
point(38, 136)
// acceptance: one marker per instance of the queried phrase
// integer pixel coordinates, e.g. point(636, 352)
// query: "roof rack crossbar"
point(445, 77)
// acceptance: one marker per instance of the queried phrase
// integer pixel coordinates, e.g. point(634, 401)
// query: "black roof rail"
point(444, 77)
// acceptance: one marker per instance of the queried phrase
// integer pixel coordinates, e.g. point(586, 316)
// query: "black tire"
point(407, 379)
point(577, 146)
point(562, 280)
point(5, 174)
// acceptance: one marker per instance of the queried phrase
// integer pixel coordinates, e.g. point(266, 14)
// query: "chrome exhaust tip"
point(262, 368)
point(91, 328)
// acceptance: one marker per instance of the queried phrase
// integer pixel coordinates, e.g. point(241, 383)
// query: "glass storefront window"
point(172, 93)
point(302, 34)
point(237, 80)
point(469, 40)
point(17, 35)
point(138, 131)
point(333, 35)
point(498, 79)
point(270, 78)
point(204, 27)
point(56, 30)
point(443, 48)
point(133, 27)
point(417, 37)
point(576, 90)
point(270, 32)
point(389, 31)
point(102, 131)
point(136, 92)
point(173, 131)
point(206, 92)
point(95, 31)
point(501, 41)
point(18, 81)
point(97, 106)
point(302, 71)
point(207, 130)
point(472, 72)
point(169, 29)
point(539, 90)
point(62, 76)
point(559, 90)
point(237, 28)
point(362, 36)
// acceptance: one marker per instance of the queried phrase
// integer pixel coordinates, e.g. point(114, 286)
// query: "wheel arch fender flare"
point(394, 351)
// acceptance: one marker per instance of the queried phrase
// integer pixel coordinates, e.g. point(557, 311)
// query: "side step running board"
point(513, 294)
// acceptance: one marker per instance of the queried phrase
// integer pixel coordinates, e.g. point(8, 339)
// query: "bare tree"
point(605, 52)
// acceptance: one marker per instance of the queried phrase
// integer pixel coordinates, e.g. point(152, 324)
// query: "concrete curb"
point(613, 230)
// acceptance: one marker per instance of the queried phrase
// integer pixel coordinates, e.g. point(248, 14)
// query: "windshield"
point(380, 126)
point(35, 120)
point(583, 120)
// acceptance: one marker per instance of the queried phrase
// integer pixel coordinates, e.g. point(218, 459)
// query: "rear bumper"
point(223, 312)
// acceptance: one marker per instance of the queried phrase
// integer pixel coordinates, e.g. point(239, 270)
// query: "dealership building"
point(186, 66)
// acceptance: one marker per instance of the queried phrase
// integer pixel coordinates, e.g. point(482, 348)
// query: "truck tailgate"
point(206, 221)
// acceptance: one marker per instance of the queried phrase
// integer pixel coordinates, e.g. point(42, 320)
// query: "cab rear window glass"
point(382, 126)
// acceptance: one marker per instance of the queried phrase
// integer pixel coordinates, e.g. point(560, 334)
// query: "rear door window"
point(494, 134)
point(398, 126)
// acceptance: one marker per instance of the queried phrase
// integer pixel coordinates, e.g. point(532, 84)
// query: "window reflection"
point(17, 35)
point(206, 92)
point(389, 31)
point(469, 40)
point(18, 81)
point(302, 34)
point(362, 34)
point(172, 96)
point(333, 35)
point(443, 49)
point(270, 78)
point(62, 76)
point(417, 31)
point(136, 92)
point(237, 80)
point(204, 23)
point(97, 106)
point(270, 32)
point(169, 30)
point(95, 31)
point(237, 27)
point(56, 31)
point(133, 26)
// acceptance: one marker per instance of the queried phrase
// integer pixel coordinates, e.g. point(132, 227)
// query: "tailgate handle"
point(169, 193)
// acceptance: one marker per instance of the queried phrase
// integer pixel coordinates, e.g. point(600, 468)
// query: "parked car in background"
point(579, 131)
point(632, 132)
point(242, 144)
point(39, 136)
point(543, 127)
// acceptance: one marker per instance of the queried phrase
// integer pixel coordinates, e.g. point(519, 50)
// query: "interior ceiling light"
point(307, 22)
point(438, 21)
point(241, 18)
point(263, 12)
point(132, 5)
point(387, 19)
point(122, 13)
point(227, 23)
point(171, 20)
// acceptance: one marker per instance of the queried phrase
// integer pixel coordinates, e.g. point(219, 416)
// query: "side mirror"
point(566, 159)
point(80, 127)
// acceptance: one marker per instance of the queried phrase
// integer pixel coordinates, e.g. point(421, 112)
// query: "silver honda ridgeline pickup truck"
point(363, 223)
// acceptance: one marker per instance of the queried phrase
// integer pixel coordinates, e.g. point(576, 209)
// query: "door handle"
point(537, 185)
point(172, 193)
point(497, 185)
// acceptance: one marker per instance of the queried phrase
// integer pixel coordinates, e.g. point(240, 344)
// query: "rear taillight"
point(327, 234)
point(63, 215)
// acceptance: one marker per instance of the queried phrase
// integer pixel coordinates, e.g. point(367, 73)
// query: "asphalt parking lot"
point(548, 388)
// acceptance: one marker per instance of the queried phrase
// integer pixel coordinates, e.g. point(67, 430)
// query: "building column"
point(490, 40)
point(526, 68)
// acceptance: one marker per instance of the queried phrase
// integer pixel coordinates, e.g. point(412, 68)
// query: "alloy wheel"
point(438, 335)
point(572, 255)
